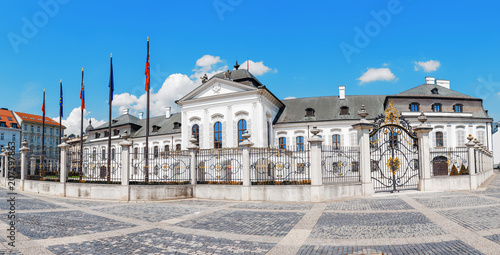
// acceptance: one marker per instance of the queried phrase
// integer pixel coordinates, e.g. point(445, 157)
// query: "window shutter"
point(342, 140)
point(235, 132)
point(224, 135)
point(211, 136)
point(445, 139)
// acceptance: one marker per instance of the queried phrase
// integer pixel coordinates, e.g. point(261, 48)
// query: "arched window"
point(439, 139)
point(414, 107)
point(336, 141)
point(155, 150)
point(178, 147)
point(300, 143)
point(480, 137)
point(282, 143)
point(458, 108)
point(217, 135)
point(436, 107)
point(460, 138)
point(196, 134)
point(113, 154)
point(242, 127)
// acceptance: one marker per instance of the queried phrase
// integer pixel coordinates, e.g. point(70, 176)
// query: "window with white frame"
point(336, 141)
point(354, 138)
point(481, 137)
point(460, 137)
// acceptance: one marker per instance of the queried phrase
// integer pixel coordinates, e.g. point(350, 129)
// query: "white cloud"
point(289, 98)
point(258, 68)
point(208, 60)
point(377, 74)
point(428, 66)
point(72, 122)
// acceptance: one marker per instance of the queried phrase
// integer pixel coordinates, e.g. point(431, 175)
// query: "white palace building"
point(221, 109)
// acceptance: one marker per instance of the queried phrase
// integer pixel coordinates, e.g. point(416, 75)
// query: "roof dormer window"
point(156, 128)
point(434, 91)
point(177, 125)
point(310, 112)
point(344, 110)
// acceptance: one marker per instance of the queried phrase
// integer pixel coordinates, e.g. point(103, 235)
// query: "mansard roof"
point(121, 120)
point(166, 126)
point(328, 108)
point(426, 90)
point(241, 76)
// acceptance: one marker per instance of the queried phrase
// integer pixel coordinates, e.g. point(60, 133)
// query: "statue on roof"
point(227, 74)
point(204, 78)
point(236, 66)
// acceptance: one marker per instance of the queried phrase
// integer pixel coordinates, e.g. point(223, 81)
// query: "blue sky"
point(296, 48)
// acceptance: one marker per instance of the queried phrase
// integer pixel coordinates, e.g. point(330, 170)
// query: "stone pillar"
point(363, 128)
point(317, 189)
point(125, 144)
point(24, 162)
point(245, 146)
point(424, 146)
point(32, 165)
point(471, 165)
point(477, 156)
point(63, 174)
point(193, 149)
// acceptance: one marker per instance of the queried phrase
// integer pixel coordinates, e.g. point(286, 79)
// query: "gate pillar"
point(424, 147)
point(363, 129)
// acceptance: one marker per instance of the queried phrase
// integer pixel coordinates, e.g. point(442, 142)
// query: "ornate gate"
point(393, 153)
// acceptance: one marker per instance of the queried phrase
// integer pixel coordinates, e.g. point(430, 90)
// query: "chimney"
point(430, 80)
point(140, 115)
point(168, 112)
point(443, 83)
point(342, 92)
point(126, 111)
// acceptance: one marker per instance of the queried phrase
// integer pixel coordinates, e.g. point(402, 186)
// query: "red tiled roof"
point(37, 118)
point(7, 117)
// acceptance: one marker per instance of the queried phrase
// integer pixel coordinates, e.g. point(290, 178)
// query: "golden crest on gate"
point(391, 115)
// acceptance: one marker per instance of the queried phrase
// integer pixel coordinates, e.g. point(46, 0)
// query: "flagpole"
point(82, 97)
point(60, 120)
point(108, 169)
point(43, 133)
point(148, 87)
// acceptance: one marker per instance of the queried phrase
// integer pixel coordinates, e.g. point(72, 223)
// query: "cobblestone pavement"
point(411, 222)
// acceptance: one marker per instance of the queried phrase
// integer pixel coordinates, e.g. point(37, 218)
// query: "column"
point(125, 144)
point(317, 189)
point(246, 189)
point(363, 128)
point(193, 149)
point(424, 165)
point(471, 165)
point(63, 175)
point(24, 162)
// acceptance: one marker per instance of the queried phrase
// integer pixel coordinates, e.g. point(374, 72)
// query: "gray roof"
point(121, 120)
point(166, 125)
point(425, 90)
point(328, 108)
point(239, 76)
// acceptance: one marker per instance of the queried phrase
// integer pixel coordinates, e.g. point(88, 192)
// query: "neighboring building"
point(221, 109)
point(31, 131)
point(10, 130)
point(496, 145)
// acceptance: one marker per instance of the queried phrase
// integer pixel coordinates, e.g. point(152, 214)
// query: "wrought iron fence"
point(171, 167)
point(94, 167)
point(449, 161)
point(41, 167)
point(280, 166)
point(340, 164)
point(219, 166)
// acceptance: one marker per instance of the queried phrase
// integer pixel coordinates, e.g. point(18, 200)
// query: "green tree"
point(454, 170)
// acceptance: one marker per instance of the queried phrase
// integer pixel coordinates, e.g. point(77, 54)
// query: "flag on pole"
point(147, 71)
point(60, 99)
point(82, 94)
point(111, 83)
point(43, 105)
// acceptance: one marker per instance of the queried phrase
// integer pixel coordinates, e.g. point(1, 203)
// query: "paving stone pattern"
point(494, 238)
point(374, 225)
point(195, 202)
point(28, 204)
point(152, 212)
point(273, 206)
point(158, 241)
point(450, 202)
point(85, 203)
point(450, 247)
point(370, 204)
point(475, 218)
point(60, 224)
point(246, 222)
